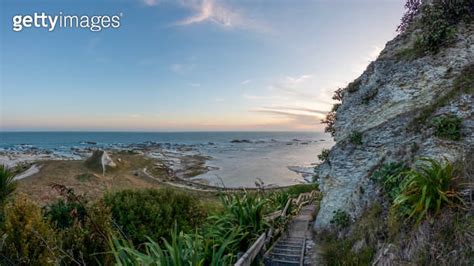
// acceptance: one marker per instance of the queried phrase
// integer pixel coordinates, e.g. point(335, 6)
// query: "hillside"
point(414, 101)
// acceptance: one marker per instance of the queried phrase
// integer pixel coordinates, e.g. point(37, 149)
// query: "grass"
point(85, 177)
point(86, 181)
point(426, 188)
point(338, 249)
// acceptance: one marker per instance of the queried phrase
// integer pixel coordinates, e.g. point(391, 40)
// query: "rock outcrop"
point(99, 161)
point(392, 105)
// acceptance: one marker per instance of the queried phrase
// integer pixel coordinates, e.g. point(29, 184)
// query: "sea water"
point(237, 158)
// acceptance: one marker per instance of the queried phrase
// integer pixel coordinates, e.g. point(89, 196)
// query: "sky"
point(187, 65)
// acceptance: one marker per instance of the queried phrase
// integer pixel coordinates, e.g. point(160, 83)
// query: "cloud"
point(181, 68)
point(150, 2)
point(245, 82)
point(194, 84)
point(218, 13)
point(295, 116)
point(309, 111)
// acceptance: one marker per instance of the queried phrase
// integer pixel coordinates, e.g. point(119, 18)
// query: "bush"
point(341, 219)
point(448, 127)
point(412, 10)
point(329, 121)
point(355, 138)
point(87, 241)
point(7, 187)
point(183, 249)
point(353, 86)
point(62, 214)
point(390, 177)
point(295, 190)
point(7, 184)
point(324, 155)
point(83, 228)
point(437, 22)
point(28, 239)
point(151, 212)
point(426, 188)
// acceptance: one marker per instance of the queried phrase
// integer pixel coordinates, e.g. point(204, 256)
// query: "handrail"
point(251, 253)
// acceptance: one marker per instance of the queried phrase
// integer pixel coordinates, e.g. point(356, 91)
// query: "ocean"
point(237, 158)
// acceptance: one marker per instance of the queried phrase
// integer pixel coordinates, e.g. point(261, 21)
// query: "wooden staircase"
point(290, 247)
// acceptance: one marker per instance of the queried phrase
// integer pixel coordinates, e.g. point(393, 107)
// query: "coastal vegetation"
point(448, 127)
point(424, 199)
point(436, 23)
point(356, 138)
point(166, 226)
point(324, 155)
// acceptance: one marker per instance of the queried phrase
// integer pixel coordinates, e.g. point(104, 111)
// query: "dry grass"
point(128, 174)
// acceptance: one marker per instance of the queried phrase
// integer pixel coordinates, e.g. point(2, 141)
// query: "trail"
point(292, 247)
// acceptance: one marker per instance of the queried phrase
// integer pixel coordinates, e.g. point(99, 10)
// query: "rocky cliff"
point(387, 115)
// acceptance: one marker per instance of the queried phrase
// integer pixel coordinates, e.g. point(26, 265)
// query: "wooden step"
point(286, 255)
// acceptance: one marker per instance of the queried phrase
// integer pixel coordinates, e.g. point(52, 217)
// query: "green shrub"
point(390, 177)
point(278, 200)
point(448, 127)
point(87, 240)
point(295, 190)
point(183, 249)
point(7, 187)
point(426, 188)
point(324, 155)
point(355, 138)
point(246, 211)
point(330, 120)
point(28, 238)
point(62, 214)
point(7, 184)
point(341, 219)
point(353, 86)
point(83, 228)
point(152, 213)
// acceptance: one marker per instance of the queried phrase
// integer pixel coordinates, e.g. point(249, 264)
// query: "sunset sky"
point(188, 65)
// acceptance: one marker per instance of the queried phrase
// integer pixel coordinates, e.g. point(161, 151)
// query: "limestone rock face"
point(383, 105)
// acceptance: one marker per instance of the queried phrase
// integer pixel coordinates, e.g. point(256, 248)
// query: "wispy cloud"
point(150, 2)
point(194, 84)
point(245, 82)
point(308, 111)
point(295, 116)
point(218, 12)
point(182, 68)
